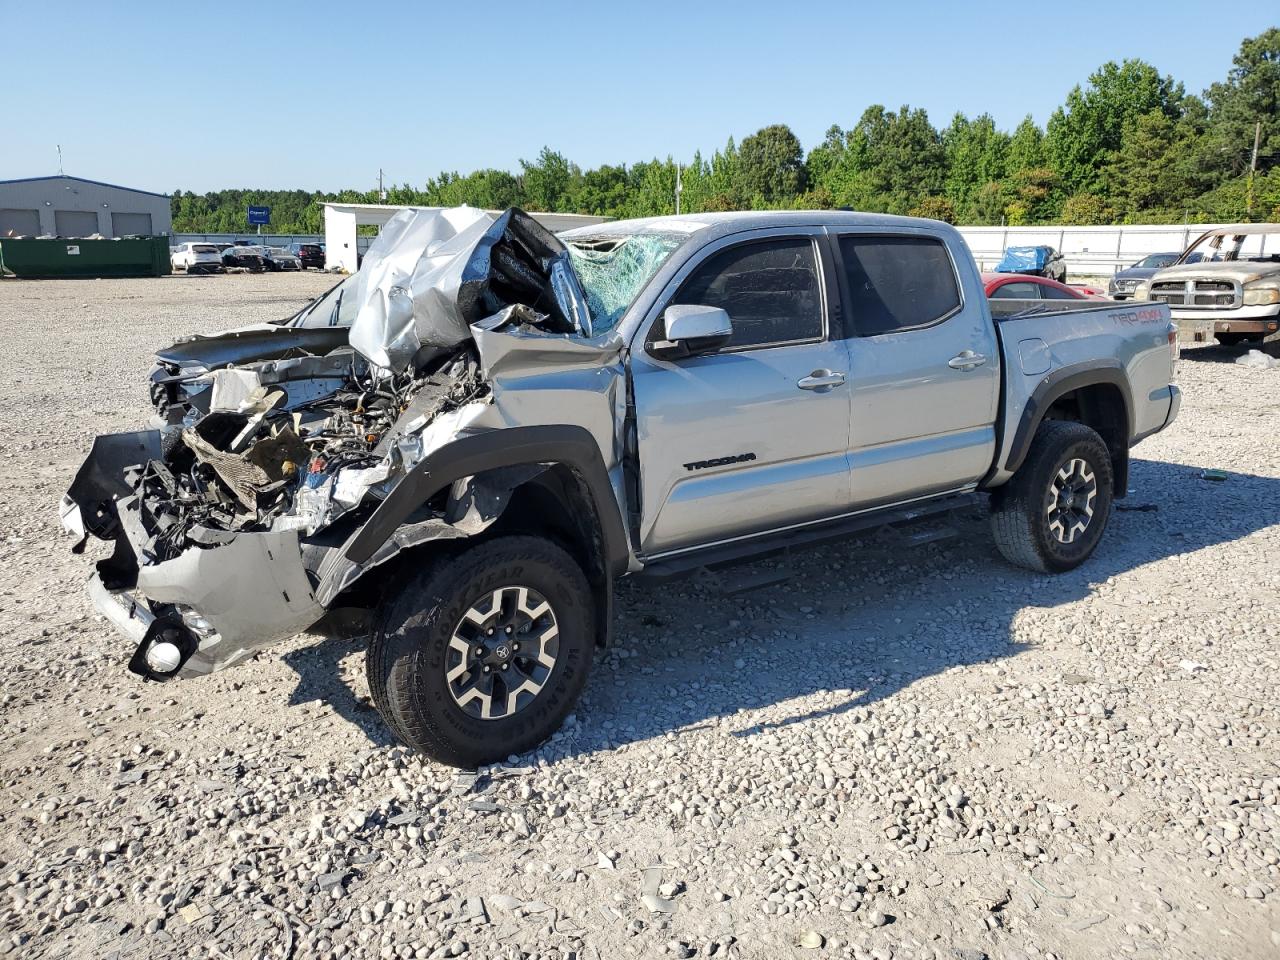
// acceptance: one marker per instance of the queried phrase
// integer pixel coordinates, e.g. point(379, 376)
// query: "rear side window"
point(1053, 293)
point(897, 283)
point(770, 290)
point(1017, 291)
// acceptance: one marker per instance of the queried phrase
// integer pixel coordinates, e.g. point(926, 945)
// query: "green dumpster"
point(125, 257)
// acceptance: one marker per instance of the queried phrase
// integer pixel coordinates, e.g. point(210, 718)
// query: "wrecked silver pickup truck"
point(472, 437)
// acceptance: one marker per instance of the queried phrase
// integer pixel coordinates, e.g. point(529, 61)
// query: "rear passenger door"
point(752, 437)
point(924, 368)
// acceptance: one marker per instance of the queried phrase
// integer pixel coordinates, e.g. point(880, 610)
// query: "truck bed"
point(1043, 344)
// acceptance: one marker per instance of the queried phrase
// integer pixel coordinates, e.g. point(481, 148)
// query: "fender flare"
point(566, 444)
point(1057, 385)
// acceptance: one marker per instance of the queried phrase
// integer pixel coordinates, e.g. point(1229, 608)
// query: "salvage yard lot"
point(896, 752)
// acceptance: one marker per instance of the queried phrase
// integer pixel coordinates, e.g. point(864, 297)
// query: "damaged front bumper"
point(206, 608)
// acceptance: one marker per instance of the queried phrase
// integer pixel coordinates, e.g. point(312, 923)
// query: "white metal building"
point(341, 220)
point(62, 206)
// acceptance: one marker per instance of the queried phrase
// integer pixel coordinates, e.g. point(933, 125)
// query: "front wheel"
point(482, 654)
point(1051, 514)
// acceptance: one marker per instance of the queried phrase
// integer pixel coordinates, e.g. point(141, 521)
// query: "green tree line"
point(1129, 146)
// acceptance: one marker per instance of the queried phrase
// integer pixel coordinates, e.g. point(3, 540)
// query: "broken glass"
point(614, 269)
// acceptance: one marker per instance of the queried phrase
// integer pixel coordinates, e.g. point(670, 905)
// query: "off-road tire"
point(406, 660)
point(1019, 518)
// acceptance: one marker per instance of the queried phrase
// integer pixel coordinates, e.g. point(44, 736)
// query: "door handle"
point(966, 360)
point(821, 380)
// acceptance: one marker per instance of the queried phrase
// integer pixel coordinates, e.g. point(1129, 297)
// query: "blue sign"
point(259, 215)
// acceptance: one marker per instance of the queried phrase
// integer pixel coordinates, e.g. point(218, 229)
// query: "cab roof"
point(731, 222)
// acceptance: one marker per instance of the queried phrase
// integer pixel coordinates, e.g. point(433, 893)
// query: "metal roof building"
point(62, 206)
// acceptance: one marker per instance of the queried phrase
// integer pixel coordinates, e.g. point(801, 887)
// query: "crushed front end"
point(214, 520)
point(230, 522)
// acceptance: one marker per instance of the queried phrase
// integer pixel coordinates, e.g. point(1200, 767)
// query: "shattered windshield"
point(614, 269)
point(1224, 247)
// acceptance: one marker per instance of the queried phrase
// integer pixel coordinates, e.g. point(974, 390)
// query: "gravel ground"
point(897, 752)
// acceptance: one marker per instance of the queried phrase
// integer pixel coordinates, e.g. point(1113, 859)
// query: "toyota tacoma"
point(472, 437)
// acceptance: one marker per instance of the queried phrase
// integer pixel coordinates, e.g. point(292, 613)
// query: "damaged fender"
point(564, 444)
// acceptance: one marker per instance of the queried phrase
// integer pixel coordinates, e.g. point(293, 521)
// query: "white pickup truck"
point(513, 420)
point(1228, 278)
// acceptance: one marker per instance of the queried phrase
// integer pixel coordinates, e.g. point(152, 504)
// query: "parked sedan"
point(250, 257)
point(278, 258)
point(1022, 286)
point(1123, 284)
point(308, 254)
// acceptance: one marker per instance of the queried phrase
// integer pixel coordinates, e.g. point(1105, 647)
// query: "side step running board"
point(756, 547)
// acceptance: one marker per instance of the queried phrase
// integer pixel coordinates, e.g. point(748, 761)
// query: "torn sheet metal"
point(465, 323)
point(430, 274)
point(474, 505)
point(304, 380)
point(511, 344)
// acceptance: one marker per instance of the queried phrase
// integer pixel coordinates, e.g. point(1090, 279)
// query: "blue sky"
point(319, 95)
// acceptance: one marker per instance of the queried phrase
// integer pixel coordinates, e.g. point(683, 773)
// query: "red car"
point(1021, 286)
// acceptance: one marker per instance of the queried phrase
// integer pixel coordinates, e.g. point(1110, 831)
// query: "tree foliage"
point(1083, 133)
point(1127, 146)
point(771, 164)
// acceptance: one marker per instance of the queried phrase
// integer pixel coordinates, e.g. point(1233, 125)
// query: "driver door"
point(754, 436)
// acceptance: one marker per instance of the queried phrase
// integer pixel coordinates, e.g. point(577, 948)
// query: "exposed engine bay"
point(257, 462)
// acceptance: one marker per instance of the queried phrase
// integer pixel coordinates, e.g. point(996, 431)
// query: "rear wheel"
point(1051, 514)
point(483, 655)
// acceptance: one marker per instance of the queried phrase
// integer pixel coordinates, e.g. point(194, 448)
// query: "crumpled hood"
point(433, 273)
point(1241, 271)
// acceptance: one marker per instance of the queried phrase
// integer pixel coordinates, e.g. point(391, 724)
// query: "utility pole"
point(60, 158)
point(382, 194)
point(679, 189)
point(1253, 168)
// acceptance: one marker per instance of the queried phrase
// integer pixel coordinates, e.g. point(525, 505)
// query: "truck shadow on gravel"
point(319, 667)
point(856, 621)
point(1218, 353)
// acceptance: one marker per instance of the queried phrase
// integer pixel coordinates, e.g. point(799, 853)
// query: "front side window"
point(898, 283)
point(769, 288)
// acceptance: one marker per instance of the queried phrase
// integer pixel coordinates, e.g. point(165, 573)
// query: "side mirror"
point(692, 329)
